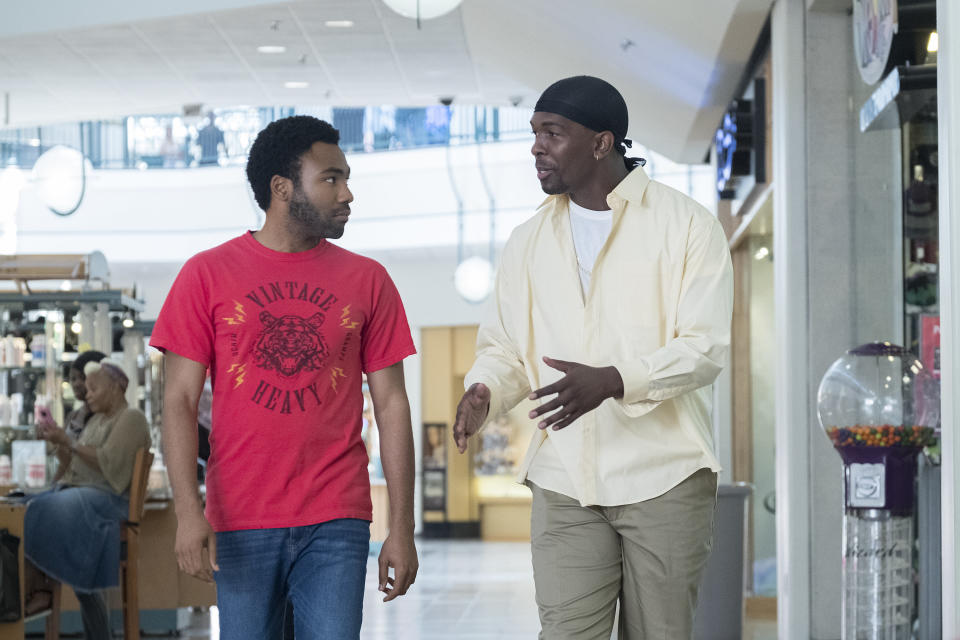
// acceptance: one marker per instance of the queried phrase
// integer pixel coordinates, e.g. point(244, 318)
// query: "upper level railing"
point(223, 137)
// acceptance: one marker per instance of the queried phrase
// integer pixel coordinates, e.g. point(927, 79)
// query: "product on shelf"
point(882, 436)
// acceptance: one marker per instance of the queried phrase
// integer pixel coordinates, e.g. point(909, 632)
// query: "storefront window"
point(920, 237)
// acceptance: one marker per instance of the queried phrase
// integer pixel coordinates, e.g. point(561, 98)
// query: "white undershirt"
point(590, 231)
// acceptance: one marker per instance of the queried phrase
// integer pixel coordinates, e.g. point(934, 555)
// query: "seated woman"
point(91, 499)
point(77, 419)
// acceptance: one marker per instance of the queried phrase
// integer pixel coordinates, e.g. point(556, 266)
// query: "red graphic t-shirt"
point(286, 337)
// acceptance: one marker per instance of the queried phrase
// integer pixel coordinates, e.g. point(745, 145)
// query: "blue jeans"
point(319, 568)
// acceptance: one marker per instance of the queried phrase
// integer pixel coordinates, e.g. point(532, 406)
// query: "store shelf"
point(71, 300)
point(913, 309)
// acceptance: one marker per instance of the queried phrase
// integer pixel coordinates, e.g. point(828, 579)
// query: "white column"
point(132, 343)
point(948, 95)
point(88, 323)
point(103, 329)
point(791, 296)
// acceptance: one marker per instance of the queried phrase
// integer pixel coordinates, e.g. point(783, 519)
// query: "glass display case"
point(880, 407)
point(41, 332)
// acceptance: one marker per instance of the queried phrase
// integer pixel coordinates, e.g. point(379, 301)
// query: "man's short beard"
point(307, 221)
point(556, 188)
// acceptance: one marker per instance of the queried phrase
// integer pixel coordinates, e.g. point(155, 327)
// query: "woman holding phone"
point(91, 499)
point(77, 419)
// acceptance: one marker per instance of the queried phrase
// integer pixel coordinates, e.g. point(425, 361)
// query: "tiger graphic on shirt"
point(290, 344)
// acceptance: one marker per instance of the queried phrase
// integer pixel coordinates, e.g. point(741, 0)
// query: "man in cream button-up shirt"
point(620, 336)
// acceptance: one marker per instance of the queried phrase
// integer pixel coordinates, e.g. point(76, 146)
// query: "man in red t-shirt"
point(287, 323)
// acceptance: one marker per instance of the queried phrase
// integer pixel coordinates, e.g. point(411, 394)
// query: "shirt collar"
point(630, 189)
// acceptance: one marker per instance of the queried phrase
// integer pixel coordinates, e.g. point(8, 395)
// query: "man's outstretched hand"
point(471, 412)
point(579, 391)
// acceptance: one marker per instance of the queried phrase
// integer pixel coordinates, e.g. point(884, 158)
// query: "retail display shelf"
point(118, 300)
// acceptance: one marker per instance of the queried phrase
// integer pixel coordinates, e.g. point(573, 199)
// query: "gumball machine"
point(880, 407)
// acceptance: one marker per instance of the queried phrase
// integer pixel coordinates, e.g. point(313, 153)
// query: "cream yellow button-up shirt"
point(658, 309)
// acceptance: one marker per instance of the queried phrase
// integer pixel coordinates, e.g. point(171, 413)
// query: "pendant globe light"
point(60, 174)
point(422, 9)
point(473, 279)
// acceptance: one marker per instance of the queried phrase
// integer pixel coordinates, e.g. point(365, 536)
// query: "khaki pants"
point(649, 555)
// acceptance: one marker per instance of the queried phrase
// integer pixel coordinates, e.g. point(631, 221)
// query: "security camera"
point(516, 100)
point(446, 100)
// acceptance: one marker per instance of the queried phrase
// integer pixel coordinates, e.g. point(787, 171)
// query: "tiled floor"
point(466, 589)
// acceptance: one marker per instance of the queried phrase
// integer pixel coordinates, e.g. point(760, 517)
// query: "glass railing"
point(223, 137)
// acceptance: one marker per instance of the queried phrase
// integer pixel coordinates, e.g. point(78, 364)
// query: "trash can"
point(720, 608)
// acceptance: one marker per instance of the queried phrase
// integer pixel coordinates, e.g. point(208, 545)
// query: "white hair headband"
point(111, 368)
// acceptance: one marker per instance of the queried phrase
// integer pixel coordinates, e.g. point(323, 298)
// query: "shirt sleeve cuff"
point(636, 388)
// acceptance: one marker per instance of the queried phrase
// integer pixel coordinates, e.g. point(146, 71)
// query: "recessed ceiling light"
point(271, 48)
point(296, 85)
point(339, 24)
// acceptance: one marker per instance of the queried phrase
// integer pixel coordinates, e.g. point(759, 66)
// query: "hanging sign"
point(874, 24)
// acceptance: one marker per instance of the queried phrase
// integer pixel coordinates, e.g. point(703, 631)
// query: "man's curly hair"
point(278, 149)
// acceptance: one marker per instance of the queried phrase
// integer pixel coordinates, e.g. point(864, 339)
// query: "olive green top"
point(116, 439)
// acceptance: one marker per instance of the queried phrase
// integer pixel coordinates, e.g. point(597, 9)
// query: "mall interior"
point(810, 128)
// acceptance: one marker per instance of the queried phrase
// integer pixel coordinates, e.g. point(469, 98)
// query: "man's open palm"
point(471, 412)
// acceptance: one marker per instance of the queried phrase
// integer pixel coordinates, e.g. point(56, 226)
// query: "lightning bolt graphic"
point(241, 315)
point(241, 372)
point(336, 373)
point(345, 320)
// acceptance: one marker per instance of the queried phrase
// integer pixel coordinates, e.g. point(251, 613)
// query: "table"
point(11, 519)
point(162, 585)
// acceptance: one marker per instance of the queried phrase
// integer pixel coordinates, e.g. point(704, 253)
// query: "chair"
point(130, 545)
point(129, 556)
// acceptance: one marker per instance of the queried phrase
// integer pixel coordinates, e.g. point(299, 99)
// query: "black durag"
point(595, 104)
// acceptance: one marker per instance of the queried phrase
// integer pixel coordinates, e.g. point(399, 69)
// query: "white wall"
point(789, 68)
point(854, 222)
point(403, 200)
point(948, 83)
point(762, 365)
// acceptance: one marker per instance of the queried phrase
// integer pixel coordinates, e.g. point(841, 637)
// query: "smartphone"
point(42, 414)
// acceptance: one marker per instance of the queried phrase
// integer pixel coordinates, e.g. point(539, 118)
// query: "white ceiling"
point(678, 75)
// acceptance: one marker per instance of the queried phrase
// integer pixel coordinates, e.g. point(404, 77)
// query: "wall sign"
point(741, 144)
point(874, 24)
